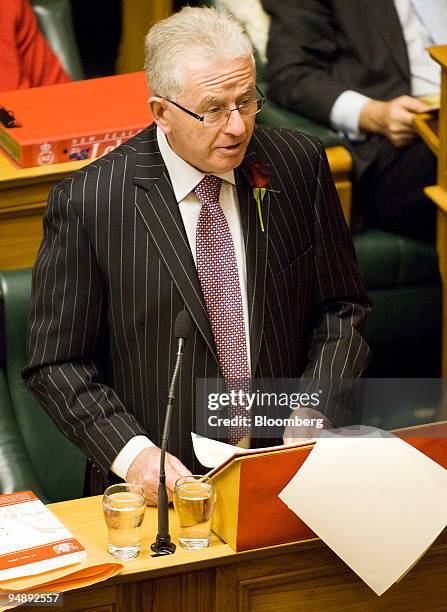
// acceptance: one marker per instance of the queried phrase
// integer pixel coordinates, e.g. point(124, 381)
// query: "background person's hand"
point(145, 471)
point(392, 119)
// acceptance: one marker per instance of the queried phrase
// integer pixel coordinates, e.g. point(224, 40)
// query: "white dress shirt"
point(184, 179)
point(425, 73)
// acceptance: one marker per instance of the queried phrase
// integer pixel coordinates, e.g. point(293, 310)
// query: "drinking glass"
point(124, 506)
point(194, 501)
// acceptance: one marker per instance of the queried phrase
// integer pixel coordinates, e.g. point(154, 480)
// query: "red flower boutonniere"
point(258, 175)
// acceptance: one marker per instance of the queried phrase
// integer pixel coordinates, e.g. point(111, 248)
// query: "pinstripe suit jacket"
point(115, 268)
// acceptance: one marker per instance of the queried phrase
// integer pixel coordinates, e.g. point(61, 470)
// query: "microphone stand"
point(163, 544)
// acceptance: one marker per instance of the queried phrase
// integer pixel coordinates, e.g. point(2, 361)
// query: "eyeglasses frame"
point(201, 118)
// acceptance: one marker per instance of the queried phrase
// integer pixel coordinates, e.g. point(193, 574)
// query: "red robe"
point(26, 59)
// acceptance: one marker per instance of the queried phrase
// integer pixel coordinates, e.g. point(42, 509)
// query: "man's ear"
point(159, 107)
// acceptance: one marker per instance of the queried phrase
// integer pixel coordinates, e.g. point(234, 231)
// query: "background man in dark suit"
point(359, 67)
point(123, 253)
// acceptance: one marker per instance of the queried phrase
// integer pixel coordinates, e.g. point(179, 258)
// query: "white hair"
point(215, 34)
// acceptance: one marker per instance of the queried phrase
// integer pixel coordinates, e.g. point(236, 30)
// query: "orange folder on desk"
point(74, 121)
point(249, 513)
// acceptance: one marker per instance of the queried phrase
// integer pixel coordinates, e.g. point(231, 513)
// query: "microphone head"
point(182, 325)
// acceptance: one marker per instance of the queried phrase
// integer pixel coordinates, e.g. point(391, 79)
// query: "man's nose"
point(235, 124)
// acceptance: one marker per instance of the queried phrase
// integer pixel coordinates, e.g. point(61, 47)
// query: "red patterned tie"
point(219, 279)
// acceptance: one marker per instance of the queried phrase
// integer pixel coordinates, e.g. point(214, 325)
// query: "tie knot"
point(208, 189)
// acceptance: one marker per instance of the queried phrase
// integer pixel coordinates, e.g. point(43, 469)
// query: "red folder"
point(74, 121)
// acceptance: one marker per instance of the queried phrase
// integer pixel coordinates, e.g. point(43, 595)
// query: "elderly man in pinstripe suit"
point(127, 245)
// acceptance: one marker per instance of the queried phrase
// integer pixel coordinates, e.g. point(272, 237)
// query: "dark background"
point(97, 27)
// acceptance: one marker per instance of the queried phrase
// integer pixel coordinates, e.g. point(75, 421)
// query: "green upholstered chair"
point(16, 470)
point(55, 21)
point(34, 454)
point(401, 277)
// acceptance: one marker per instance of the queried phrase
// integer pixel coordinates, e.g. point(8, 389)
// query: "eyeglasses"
point(219, 117)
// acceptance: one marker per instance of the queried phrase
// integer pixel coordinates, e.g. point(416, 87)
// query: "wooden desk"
point(23, 198)
point(340, 162)
point(436, 139)
point(301, 576)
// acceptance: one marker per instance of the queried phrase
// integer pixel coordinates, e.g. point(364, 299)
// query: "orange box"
point(73, 121)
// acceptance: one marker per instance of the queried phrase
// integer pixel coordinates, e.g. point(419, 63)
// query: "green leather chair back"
point(402, 278)
point(57, 464)
point(16, 470)
point(55, 21)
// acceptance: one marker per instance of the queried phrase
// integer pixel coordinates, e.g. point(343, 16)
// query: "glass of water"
point(124, 506)
point(194, 501)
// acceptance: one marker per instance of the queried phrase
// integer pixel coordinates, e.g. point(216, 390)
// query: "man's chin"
point(226, 162)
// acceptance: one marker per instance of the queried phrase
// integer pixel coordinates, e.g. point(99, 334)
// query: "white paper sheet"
point(213, 453)
point(375, 500)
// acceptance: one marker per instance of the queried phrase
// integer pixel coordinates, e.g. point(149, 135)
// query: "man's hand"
point(393, 119)
point(313, 424)
point(145, 471)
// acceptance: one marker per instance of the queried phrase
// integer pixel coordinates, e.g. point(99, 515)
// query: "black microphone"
point(163, 544)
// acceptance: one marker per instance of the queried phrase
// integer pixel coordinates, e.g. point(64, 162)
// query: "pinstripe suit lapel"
point(159, 210)
point(256, 242)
